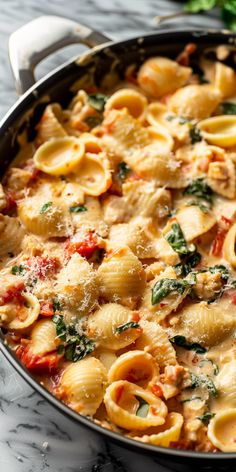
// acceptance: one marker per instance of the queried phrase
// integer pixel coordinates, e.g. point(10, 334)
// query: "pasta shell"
point(206, 324)
point(137, 367)
point(193, 222)
point(21, 318)
point(59, 156)
point(144, 199)
point(136, 236)
point(91, 219)
point(91, 143)
point(229, 246)
point(11, 235)
point(134, 101)
point(83, 385)
point(121, 404)
point(50, 125)
point(155, 340)
point(195, 101)
point(165, 434)
point(121, 275)
point(44, 337)
point(76, 284)
point(219, 130)
point(225, 80)
point(160, 76)
point(94, 175)
point(103, 324)
point(222, 430)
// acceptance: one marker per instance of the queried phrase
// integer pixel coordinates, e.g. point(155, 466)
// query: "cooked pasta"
point(118, 252)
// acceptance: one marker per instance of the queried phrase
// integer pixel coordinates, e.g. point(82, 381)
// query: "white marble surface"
point(33, 436)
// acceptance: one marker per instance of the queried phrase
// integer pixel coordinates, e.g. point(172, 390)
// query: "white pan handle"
point(34, 41)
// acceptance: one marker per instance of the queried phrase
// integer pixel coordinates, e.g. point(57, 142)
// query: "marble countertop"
point(34, 437)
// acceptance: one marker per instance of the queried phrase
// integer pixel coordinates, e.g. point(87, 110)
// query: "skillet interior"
point(26, 113)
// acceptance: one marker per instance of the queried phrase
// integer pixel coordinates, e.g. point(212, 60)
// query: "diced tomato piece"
point(46, 308)
point(227, 222)
point(217, 245)
point(85, 247)
point(43, 266)
point(13, 294)
point(183, 57)
point(36, 363)
point(157, 390)
point(136, 316)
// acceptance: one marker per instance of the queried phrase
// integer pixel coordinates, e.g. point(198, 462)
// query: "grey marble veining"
point(34, 437)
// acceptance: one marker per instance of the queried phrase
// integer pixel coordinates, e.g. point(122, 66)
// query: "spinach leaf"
point(97, 101)
point(228, 108)
point(124, 327)
point(60, 327)
point(222, 269)
point(200, 189)
point(45, 207)
point(188, 263)
point(203, 381)
point(123, 170)
point(176, 240)
point(182, 342)
point(206, 417)
point(194, 134)
point(203, 206)
point(56, 305)
point(93, 121)
point(164, 287)
point(18, 269)
point(143, 408)
point(78, 208)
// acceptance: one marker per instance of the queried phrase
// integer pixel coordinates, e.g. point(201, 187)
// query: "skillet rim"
point(6, 124)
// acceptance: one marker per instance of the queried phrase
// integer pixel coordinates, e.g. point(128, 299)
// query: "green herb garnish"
point(175, 238)
point(164, 287)
point(182, 342)
point(123, 170)
point(56, 305)
point(45, 207)
point(18, 269)
point(78, 208)
point(228, 9)
point(93, 121)
point(228, 108)
point(143, 408)
point(200, 189)
point(194, 134)
point(188, 263)
point(74, 345)
point(206, 417)
point(124, 327)
point(203, 381)
point(97, 101)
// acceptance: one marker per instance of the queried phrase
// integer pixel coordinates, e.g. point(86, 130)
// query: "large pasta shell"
point(221, 177)
point(94, 175)
point(134, 101)
point(44, 337)
point(83, 385)
point(225, 80)
point(194, 222)
point(165, 434)
point(195, 101)
point(20, 319)
point(50, 125)
point(226, 384)
point(137, 367)
point(219, 130)
point(59, 156)
point(222, 430)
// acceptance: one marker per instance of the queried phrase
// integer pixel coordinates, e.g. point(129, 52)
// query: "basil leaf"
point(124, 327)
point(78, 208)
point(229, 18)
point(143, 408)
point(200, 189)
point(97, 101)
point(123, 170)
point(188, 263)
point(176, 240)
point(182, 342)
point(164, 287)
point(194, 134)
point(45, 207)
point(60, 326)
point(195, 6)
point(206, 417)
point(18, 269)
point(222, 269)
point(228, 108)
point(79, 348)
point(56, 305)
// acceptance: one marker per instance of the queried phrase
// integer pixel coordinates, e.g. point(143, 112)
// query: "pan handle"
point(34, 41)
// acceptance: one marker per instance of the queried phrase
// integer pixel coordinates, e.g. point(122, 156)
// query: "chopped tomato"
point(157, 390)
point(183, 57)
point(35, 362)
point(46, 308)
point(217, 245)
point(13, 294)
point(136, 316)
point(85, 247)
point(43, 266)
